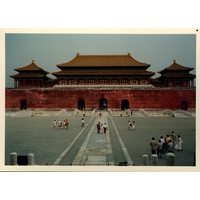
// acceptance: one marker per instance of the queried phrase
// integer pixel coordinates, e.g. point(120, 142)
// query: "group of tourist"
point(101, 128)
point(131, 125)
point(65, 123)
point(165, 145)
point(61, 124)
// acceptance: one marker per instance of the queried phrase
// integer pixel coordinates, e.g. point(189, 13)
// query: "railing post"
point(31, 159)
point(154, 159)
point(145, 160)
point(13, 158)
point(170, 158)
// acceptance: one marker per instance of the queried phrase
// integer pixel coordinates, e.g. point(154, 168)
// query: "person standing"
point(173, 137)
point(153, 145)
point(179, 144)
point(160, 149)
point(63, 123)
point(101, 129)
point(54, 124)
point(167, 139)
point(98, 127)
point(60, 123)
point(170, 147)
point(66, 124)
point(163, 142)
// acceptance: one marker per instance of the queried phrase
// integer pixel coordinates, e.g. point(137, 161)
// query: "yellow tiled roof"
point(31, 67)
point(103, 61)
point(176, 67)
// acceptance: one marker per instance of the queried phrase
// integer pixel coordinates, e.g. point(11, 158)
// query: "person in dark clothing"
point(98, 127)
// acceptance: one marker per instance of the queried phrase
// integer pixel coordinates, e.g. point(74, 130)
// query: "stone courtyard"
point(79, 146)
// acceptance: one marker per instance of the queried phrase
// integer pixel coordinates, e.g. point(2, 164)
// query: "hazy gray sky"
point(48, 50)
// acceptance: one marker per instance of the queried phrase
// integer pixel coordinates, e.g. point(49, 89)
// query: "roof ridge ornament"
point(77, 54)
point(32, 61)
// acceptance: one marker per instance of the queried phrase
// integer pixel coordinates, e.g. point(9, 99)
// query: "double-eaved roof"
point(177, 70)
point(103, 61)
point(30, 71)
point(107, 65)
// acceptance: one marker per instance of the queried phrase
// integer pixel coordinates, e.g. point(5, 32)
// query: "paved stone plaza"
point(79, 146)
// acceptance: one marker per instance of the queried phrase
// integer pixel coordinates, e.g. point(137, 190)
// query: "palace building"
point(103, 70)
point(102, 81)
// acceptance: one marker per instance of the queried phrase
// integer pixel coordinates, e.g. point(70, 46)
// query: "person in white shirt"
point(133, 125)
point(54, 124)
point(82, 122)
point(163, 142)
point(105, 128)
point(159, 149)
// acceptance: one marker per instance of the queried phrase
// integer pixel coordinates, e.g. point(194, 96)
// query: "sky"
point(48, 50)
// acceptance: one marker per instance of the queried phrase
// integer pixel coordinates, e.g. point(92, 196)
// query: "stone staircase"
point(113, 113)
point(184, 113)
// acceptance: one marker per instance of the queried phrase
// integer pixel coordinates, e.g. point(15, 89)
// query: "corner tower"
point(31, 76)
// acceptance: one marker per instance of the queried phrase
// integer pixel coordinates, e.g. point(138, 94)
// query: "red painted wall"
point(68, 99)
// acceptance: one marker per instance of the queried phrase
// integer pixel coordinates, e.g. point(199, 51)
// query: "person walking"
point(129, 125)
point(133, 126)
point(105, 128)
point(178, 146)
point(153, 145)
point(82, 122)
point(98, 127)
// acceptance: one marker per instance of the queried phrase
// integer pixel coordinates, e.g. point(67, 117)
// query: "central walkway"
point(96, 149)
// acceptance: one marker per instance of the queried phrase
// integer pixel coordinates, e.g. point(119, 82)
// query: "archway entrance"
point(81, 104)
point(124, 104)
point(184, 105)
point(103, 104)
point(23, 105)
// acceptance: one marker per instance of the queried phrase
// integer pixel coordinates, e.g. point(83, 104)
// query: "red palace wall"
point(68, 98)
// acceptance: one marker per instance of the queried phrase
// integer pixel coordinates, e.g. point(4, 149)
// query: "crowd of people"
point(165, 145)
